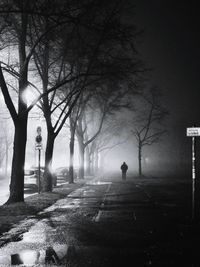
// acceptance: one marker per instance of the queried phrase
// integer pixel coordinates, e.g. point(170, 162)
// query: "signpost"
point(193, 132)
point(38, 146)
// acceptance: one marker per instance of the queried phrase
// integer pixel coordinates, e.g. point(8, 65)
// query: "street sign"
point(39, 130)
point(38, 142)
point(38, 139)
point(38, 146)
point(193, 131)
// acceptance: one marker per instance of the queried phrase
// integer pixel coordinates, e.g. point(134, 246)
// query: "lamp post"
point(38, 146)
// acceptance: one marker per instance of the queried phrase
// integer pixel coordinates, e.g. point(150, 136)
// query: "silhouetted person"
point(124, 168)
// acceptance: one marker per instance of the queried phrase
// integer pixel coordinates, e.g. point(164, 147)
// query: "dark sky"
point(171, 46)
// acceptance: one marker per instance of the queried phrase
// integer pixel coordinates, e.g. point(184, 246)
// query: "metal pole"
point(39, 156)
point(193, 158)
point(193, 177)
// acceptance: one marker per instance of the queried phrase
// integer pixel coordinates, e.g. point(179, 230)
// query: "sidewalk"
point(11, 215)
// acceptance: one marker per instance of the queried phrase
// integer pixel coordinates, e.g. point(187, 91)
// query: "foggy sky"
point(171, 47)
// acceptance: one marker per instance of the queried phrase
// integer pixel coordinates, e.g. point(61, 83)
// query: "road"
point(109, 222)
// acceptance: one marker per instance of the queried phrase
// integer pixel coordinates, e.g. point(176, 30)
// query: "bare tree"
point(103, 104)
point(86, 58)
point(18, 26)
point(17, 19)
point(113, 134)
point(110, 54)
point(147, 128)
point(83, 137)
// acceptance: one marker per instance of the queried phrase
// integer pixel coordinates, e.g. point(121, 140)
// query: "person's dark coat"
point(124, 167)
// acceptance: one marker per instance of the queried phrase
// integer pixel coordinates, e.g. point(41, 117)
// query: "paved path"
point(111, 223)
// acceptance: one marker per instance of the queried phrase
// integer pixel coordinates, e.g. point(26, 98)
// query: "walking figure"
point(124, 168)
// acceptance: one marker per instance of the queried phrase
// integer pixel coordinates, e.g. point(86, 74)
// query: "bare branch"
point(7, 97)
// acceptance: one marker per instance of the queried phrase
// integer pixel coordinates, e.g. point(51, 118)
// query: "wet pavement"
point(109, 222)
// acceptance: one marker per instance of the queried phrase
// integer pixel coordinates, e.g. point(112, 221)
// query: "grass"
point(13, 214)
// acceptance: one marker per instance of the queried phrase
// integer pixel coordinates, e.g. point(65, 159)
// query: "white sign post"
point(193, 132)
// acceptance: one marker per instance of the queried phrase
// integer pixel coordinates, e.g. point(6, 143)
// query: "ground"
point(12, 214)
point(106, 222)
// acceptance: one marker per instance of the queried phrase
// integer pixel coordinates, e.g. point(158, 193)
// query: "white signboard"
point(38, 146)
point(193, 131)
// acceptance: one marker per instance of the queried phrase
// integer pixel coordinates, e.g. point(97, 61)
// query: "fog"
point(171, 154)
point(176, 81)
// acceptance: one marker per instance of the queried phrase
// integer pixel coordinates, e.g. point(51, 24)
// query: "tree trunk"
point(81, 158)
point(6, 163)
point(140, 159)
point(96, 162)
point(17, 172)
point(92, 162)
point(71, 148)
point(20, 136)
point(101, 162)
point(92, 157)
point(81, 162)
point(47, 178)
point(88, 161)
point(71, 160)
